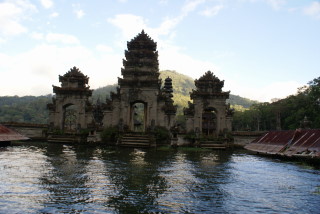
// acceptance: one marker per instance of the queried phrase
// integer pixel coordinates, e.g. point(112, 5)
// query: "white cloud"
point(129, 24)
point(62, 38)
point(2, 41)
point(46, 3)
point(213, 11)
point(169, 23)
point(163, 2)
point(263, 93)
point(166, 27)
point(292, 9)
point(55, 38)
point(11, 15)
point(171, 58)
point(37, 36)
point(103, 48)
point(190, 6)
point(313, 10)
point(54, 15)
point(276, 4)
point(39, 68)
point(79, 13)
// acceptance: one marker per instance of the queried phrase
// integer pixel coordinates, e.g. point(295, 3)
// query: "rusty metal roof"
point(7, 134)
point(300, 142)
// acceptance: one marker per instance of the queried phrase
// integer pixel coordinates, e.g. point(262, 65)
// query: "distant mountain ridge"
point(32, 109)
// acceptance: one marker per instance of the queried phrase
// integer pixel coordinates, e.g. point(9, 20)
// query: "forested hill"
point(32, 109)
point(182, 85)
point(29, 109)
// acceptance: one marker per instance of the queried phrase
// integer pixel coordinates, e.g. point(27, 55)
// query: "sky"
point(262, 49)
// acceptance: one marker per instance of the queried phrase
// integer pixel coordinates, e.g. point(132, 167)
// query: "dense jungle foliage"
point(27, 109)
point(283, 114)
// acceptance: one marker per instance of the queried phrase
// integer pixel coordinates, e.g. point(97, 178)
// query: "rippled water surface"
point(56, 178)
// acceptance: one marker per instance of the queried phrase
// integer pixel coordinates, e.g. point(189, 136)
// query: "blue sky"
point(263, 49)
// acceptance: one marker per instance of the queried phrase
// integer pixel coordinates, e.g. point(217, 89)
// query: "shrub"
point(190, 136)
point(161, 133)
point(110, 135)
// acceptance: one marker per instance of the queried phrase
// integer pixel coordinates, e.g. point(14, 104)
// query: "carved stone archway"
point(75, 93)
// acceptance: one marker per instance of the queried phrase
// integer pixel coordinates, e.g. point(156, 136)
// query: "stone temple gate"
point(208, 114)
point(70, 109)
point(140, 103)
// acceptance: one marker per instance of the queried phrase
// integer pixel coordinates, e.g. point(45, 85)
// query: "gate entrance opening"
point(138, 116)
point(70, 118)
point(209, 122)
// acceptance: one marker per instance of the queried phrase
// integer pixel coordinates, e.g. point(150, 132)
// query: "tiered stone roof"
point(73, 82)
point(74, 75)
point(209, 86)
point(167, 95)
point(140, 66)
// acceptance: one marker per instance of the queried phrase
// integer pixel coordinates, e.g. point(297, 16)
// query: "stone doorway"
point(138, 116)
point(209, 122)
point(70, 118)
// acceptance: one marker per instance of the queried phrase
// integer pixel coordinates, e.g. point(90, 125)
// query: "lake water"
point(56, 178)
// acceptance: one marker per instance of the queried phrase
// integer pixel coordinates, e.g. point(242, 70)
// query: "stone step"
point(128, 144)
point(210, 147)
point(61, 140)
point(135, 140)
point(213, 146)
point(217, 143)
point(139, 143)
point(135, 135)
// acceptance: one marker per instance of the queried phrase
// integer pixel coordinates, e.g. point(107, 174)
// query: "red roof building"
point(7, 135)
point(298, 143)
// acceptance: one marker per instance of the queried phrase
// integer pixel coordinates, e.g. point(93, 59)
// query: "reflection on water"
point(55, 178)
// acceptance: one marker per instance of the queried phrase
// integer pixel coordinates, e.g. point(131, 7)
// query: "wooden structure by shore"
point(7, 135)
point(303, 143)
